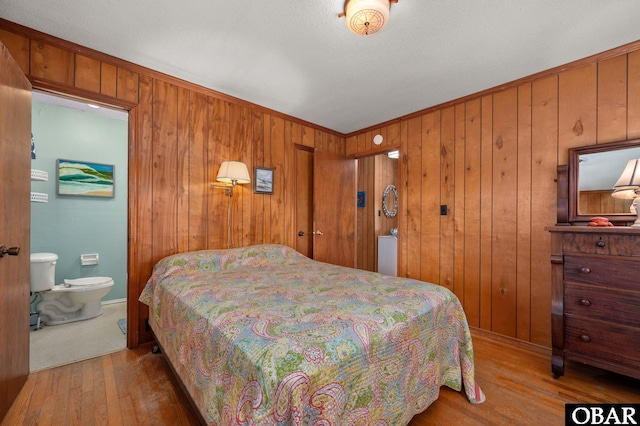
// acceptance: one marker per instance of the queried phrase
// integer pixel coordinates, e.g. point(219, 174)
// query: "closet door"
point(15, 179)
point(334, 208)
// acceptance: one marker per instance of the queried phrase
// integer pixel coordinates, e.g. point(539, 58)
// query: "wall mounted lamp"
point(628, 185)
point(231, 173)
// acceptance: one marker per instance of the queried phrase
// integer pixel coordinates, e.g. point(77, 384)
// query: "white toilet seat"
point(87, 282)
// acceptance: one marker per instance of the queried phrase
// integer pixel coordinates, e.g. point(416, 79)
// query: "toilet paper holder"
point(89, 259)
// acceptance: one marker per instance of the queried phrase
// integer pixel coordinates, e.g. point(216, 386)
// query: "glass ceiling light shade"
point(367, 17)
point(233, 172)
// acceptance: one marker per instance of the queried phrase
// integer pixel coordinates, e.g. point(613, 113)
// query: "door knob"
point(11, 251)
point(318, 233)
point(300, 233)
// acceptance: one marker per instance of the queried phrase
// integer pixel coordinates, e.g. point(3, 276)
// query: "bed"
point(264, 335)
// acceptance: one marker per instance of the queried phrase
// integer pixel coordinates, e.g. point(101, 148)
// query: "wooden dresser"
point(595, 312)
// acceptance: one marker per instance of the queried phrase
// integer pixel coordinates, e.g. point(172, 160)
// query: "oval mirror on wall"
point(390, 201)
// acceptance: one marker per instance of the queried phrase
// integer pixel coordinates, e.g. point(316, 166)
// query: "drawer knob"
point(585, 302)
point(585, 270)
point(585, 338)
point(600, 243)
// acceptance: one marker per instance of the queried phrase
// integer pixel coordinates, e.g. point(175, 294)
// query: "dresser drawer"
point(601, 303)
point(602, 340)
point(615, 245)
point(607, 271)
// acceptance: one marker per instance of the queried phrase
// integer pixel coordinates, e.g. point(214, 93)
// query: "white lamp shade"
point(624, 193)
point(366, 17)
point(630, 177)
point(233, 171)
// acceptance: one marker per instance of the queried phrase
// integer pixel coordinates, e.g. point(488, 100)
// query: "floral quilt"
point(266, 336)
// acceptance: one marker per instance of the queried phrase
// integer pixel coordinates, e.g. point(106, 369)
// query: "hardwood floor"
point(130, 387)
point(516, 379)
point(135, 387)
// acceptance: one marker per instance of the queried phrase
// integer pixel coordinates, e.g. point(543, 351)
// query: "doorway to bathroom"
point(86, 229)
point(376, 215)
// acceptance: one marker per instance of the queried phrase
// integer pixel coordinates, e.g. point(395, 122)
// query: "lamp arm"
point(227, 187)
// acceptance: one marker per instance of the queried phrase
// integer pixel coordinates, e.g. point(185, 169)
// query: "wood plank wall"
point(179, 135)
point(492, 158)
point(365, 216)
point(600, 202)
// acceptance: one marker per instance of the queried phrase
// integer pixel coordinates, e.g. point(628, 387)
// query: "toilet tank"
point(43, 271)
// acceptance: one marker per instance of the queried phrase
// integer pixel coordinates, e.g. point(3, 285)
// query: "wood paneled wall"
point(492, 158)
point(600, 202)
point(365, 216)
point(179, 135)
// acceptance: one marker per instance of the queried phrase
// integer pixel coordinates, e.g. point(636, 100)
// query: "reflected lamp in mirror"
point(628, 185)
point(231, 173)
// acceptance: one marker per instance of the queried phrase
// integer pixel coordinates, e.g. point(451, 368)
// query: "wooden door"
point(304, 201)
point(15, 176)
point(334, 208)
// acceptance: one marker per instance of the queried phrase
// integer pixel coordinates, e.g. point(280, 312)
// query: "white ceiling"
point(298, 57)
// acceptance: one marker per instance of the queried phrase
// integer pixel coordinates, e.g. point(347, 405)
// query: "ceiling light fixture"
point(367, 17)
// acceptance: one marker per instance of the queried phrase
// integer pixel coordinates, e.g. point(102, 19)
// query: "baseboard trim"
point(511, 340)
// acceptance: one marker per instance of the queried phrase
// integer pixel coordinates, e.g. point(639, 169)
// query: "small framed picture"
point(85, 178)
point(263, 180)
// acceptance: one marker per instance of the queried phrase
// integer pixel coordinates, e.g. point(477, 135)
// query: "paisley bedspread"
point(263, 335)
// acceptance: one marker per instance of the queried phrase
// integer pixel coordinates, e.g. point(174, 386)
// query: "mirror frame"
point(574, 171)
point(390, 189)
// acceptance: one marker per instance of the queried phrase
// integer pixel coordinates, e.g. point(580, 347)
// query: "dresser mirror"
point(593, 171)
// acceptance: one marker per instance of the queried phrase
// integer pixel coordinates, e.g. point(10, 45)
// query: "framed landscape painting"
point(86, 179)
point(263, 180)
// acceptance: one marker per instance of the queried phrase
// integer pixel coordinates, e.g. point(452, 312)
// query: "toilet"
point(74, 300)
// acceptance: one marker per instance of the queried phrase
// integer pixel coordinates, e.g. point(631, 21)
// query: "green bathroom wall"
point(73, 225)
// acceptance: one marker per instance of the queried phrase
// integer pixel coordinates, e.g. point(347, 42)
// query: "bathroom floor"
point(57, 345)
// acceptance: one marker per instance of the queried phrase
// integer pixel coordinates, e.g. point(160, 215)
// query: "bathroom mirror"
point(593, 171)
point(390, 201)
